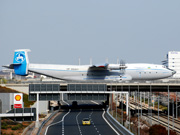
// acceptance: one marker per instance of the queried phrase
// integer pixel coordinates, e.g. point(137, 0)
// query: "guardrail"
point(45, 121)
point(121, 129)
point(27, 128)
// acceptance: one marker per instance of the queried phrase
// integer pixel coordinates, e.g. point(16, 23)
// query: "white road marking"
point(78, 122)
point(63, 117)
point(60, 120)
point(109, 123)
point(95, 125)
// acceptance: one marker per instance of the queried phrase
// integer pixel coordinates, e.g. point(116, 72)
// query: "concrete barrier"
point(120, 128)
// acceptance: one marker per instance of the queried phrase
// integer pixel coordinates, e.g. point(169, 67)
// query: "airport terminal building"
point(173, 62)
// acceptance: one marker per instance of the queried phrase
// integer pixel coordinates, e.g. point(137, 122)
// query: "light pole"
point(141, 103)
point(158, 108)
point(111, 101)
point(176, 106)
point(173, 113)
point(150, 94)
point(129, 109)
point(138, 113)
point(122, 105)
point(144, 98)
point(153, 100)
point(116, 105)
point(168, 109)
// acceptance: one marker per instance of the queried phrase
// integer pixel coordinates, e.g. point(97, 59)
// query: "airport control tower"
point(173, 62)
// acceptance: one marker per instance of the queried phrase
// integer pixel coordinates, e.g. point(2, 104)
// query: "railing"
point(121, 129)
point(45, 121)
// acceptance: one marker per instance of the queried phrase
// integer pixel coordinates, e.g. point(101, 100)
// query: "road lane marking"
point(109, 123)
point(64, 116)
point(61, 120)
point(94, 124)
point(58, 121)
point(78, 122)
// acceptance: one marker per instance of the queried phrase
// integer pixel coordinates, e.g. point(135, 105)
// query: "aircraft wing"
point(99, 67)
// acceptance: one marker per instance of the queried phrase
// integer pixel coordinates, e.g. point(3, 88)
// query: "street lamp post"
point(129, 109)
point(141, 104)
point(176, 106)
point(138, 113)
point(144, 98)
point(173, 113)
point(168, 109)
point(158, 108)
point(122, 105)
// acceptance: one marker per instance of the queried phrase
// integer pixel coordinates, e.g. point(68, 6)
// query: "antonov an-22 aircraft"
point(104, 72)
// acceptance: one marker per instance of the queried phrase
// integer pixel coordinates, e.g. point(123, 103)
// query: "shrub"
point(19, 126)
point(27, 103)
point(10, 122)
point(4, 125)
point(159, 130)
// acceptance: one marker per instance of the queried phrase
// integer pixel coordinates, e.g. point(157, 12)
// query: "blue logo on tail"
point(20, 63)
point(20, 57)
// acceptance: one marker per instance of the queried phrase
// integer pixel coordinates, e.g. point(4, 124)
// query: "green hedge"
point(18, 126)
point(27, 103)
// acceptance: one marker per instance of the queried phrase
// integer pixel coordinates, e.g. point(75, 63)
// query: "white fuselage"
point(82, 72)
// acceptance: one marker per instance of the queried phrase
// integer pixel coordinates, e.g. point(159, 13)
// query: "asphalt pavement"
point(69, 122)
point(72, 124)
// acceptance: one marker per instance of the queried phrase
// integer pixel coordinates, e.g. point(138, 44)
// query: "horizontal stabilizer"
point(11, 66)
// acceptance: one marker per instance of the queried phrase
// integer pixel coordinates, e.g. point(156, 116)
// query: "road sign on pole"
point(18, 100)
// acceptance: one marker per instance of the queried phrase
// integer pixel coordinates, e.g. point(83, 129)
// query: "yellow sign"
point(18, 97)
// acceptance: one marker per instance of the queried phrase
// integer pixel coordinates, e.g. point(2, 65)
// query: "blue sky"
point(61, 31)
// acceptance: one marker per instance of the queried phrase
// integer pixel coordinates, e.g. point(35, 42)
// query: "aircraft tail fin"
point(21, 62)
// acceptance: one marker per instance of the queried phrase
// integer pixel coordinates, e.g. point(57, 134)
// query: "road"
point(69, 122)
point(72, 124)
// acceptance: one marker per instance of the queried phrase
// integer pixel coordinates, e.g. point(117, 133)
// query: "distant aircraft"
point(104, 72)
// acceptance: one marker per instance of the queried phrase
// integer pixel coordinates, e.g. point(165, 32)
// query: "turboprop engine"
point(121, 67)
point(116, 66)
